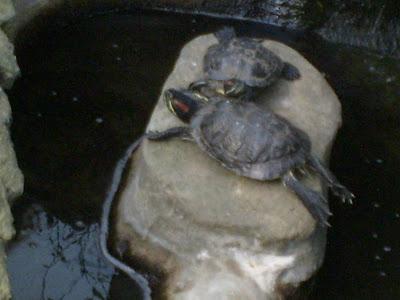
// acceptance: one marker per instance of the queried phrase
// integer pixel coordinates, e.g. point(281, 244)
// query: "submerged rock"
point(199, 225)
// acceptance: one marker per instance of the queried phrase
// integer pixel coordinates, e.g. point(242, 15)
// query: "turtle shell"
point(250, 141)
point(244, 59)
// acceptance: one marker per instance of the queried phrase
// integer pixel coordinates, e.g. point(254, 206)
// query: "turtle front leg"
point(337, 188)
point(315, 203)
point(180, 132)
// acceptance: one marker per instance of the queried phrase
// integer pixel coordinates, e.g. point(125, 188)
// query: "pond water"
point(86, 92)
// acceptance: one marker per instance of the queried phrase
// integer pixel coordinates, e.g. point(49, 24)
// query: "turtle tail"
point(315, 203)
point(225, 34)
point(290, 72)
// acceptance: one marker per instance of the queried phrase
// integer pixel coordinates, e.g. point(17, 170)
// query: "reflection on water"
point(87, 92)
point(47, 249)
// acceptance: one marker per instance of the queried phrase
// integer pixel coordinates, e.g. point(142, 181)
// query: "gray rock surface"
point(11, 186)
point(11, 178)
point(6, 10)
point(9, 69)
point(10, 175)
point(186, 214)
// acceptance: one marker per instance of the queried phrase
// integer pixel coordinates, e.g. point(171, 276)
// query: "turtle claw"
point(302, 171)
point(343, 193)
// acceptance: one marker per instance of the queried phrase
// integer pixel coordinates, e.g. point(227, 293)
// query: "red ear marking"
point(181, 106)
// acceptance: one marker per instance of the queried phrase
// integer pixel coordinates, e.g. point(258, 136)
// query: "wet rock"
point(11, 186)
point(11, 178)
point(276, 12)
point(4, 281)
point(360, 23)
point(186, 216)
point(6, 10)
point(9, 69)
point(344, 28)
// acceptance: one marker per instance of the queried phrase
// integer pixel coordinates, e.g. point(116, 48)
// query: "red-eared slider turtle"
point(251, 142)
point(245, 62)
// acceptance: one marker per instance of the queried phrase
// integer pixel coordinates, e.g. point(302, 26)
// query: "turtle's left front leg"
point(181, 132)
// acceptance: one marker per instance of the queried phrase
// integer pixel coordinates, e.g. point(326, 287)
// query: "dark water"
point(86, 92)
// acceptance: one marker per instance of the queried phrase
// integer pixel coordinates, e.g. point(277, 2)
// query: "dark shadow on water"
point(86, 92)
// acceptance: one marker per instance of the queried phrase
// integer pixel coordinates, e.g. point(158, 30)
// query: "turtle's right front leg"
point(181, 131)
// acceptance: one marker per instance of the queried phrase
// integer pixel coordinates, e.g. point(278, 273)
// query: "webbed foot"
point(342, 192)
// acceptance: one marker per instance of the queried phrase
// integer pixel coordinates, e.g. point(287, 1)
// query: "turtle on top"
point(252, 142)
point(240, 67)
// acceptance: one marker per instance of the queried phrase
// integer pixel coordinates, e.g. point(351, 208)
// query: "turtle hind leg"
point(315, 203)
point(337, 188)
point(181, 132)
point(290, 72)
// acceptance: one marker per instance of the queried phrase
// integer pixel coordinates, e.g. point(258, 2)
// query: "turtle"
point(244, 61)
point(252, 142)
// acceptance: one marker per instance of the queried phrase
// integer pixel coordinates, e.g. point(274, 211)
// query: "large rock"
point(11, 179)
point(10, 175)
point(215, 234)
point(11, 186)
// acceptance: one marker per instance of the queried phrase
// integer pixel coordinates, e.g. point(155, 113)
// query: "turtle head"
point(183, 103)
